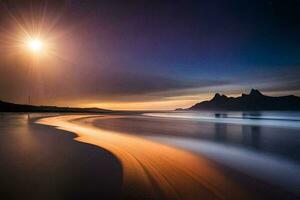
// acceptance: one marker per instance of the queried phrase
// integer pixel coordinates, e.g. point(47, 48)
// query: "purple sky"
point(145, 54)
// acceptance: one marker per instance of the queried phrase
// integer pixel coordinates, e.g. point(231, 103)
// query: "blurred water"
point(276, 119)
point(264, 145)
point(274, 133)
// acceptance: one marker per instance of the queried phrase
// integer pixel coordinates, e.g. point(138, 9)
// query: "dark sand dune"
point(39, 162)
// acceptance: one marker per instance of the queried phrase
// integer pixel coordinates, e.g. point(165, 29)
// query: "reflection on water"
point(275, 119)
point(277, 133)
point(220, 132)
point(251, 136)
point(256, 134)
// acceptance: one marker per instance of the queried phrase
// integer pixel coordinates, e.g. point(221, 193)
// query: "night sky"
point(148, 54)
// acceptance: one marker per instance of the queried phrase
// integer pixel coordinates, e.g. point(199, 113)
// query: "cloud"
point(118, 86)
point(120, 83)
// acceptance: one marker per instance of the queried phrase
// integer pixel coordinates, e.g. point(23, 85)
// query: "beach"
point(143, 157)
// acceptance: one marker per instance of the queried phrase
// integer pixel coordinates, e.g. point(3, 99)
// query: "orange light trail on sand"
point(153, 170)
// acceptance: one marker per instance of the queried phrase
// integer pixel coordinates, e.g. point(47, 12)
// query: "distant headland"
point(11, 107)
point(255, 101)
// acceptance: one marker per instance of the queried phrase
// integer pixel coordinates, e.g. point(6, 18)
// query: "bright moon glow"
point(35, 45)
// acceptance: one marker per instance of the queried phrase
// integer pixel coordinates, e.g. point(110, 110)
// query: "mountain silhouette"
point(255, 100)
point(11, 107)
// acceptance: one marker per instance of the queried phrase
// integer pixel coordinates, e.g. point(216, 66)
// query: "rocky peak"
point(255, 93)
point(218, 96)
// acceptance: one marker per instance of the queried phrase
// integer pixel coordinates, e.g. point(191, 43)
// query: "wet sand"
point(39, 162)
point(156, 171)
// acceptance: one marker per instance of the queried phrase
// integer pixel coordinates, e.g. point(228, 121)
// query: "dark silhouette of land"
point(255, 101)
point(11, 107)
